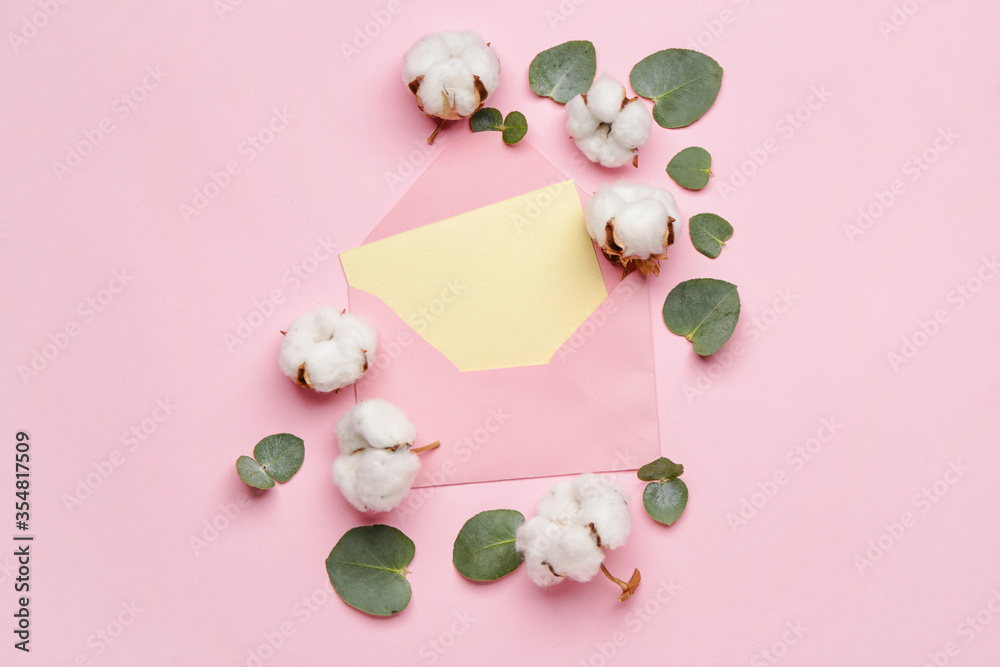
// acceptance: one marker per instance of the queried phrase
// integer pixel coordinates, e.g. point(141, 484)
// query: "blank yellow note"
point(504, 285)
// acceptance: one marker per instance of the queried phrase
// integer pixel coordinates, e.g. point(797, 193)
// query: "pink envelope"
point(592, 408)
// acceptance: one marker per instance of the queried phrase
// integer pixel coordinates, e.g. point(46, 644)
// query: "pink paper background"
point(712, 594)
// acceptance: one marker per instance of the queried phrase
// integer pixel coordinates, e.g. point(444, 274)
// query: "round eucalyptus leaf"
point(703, 310)
point(484, 549)
point(564, 71)
point(515, 126)
point(691, 168)
point(665, 501)
point(683, 85)
point(251, 473)
point(280, 455)
point(709, 233)
point(486, 119)
point(659, 470)
point(367, 568)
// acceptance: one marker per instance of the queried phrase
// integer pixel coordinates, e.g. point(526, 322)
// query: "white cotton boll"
point(345, 474)
point(575, 554)
point(605, 97)
point(603, 505)
point(631, 128)
point(383, 478)
point(579, 121)
point(602, 206)
point(444, 68)
point(334, 349)
point(531, 540)
point(559, 504)
point(640, 228)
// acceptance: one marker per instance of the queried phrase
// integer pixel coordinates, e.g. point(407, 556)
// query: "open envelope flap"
point(592, 408)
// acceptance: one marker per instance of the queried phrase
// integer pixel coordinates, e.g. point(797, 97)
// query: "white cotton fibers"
point(577, 519)
point(607, 126)
point(327, 350)
point(376, 467)
point(452, 73)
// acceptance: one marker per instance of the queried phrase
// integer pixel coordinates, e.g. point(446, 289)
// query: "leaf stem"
point(437, 129)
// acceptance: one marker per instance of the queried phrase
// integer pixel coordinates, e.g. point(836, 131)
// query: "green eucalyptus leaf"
point(515, 126)
point(251, 473)
point(683, 85)
point(709, 233)
point(665, 501)
point(703, 310)
point(659, 470)
point(367, 568)
point(484, 549)
point(280, 455)
point(486, 119)
point(564, 71)
point(691, 168)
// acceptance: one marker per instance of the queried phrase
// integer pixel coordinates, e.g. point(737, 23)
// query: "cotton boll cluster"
point(576, 521)
point(633, 223)
point(376, 466)
point(327, 349)
point(608, 127)
point(452, 73)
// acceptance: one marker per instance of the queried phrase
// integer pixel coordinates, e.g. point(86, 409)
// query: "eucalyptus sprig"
point(367, 568)
point(691, 168)
point(513, 127)
point(275, 459)
point(703, 310)
point(564, 71)
point(666, 495)
point(682, 84)
point(709, 233)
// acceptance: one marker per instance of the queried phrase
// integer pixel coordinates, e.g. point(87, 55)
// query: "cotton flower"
point(376, 466)
point(327, 350)
point(452, 73)
point(608, 127)
point(576, 521)
point(633, 224)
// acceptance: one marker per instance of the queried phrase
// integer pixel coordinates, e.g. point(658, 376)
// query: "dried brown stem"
point(437, 129)
point(427, 448)
point(627, 588)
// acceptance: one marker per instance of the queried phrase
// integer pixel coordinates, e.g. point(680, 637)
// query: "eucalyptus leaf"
point(486, 119)
point(367, 568)
point(659, 470)
point(251, 473)
point(709, 233)
point(515, 126)
point(665, 501)
point(691, 168)
point(280, 455)
point(484, 549)
point(703, 310)
point(683, 85)
point(564, 71)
